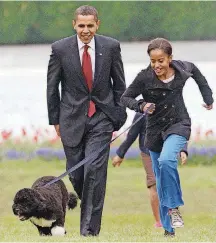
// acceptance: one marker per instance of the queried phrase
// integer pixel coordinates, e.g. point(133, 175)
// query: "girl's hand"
point(116, 161)
point(208, 107)
point(183, 157)
point(146, 107)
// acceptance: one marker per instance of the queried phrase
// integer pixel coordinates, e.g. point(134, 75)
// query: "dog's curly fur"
point(46, 206)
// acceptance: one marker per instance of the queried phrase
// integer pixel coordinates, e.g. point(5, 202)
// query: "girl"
point(168, 122)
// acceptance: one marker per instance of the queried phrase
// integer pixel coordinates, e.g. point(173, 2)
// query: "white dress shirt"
point(91, 51)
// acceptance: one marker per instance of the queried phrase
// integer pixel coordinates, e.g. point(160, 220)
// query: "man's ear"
point(74, 24)
point(98, 24)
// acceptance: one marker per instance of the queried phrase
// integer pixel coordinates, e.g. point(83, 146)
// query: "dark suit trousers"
point(89, 181)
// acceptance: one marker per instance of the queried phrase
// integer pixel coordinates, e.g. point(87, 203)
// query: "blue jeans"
point(167, 178)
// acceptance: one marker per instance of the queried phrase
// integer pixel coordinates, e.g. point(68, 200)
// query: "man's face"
point(86, 27)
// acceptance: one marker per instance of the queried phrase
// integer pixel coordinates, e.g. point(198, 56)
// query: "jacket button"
point(164, 93)
point(165, 106)
point(163, 119)
point(152, 92)
point(173, 106)
point(171, 119)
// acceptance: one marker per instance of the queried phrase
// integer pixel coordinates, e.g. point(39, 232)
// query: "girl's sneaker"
point(176, 218)
point(169, 234)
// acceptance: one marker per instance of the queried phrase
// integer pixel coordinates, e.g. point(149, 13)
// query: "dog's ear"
point(41, 198)
point(40, 201)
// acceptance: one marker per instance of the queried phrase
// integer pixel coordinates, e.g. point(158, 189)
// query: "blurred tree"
point(41, 22)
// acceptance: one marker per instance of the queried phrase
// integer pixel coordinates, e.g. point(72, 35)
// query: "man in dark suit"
point(90, 70)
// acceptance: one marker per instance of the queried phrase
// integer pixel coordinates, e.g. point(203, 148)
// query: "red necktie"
point(87, 71)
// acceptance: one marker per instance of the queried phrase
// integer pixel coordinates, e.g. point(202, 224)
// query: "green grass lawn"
point(127, 214)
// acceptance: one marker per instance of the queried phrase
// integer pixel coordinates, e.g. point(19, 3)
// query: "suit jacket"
point(69, 109)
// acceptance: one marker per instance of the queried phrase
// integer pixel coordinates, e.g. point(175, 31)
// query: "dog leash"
point(96, 153)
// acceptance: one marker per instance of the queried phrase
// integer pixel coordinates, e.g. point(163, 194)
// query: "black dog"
point(46, 206)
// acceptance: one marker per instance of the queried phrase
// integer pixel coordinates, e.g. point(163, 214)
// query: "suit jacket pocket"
point(66, 112)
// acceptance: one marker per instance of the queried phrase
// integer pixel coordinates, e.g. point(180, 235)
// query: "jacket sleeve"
point(203, 84)
point(185, 149)
point(117, 74)
point(134, 90)
point(132, 135)
point(53, 94)
point(142, 136)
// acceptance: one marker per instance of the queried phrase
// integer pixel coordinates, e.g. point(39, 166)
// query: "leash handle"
point(95, 153)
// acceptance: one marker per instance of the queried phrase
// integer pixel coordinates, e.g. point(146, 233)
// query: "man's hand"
point(57, 130)
point(146, 107)
point(116, 161)
point(183, 157)
point(208, 107)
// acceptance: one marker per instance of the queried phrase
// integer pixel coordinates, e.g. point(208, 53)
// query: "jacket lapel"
point(73, 52)
point(99, 58)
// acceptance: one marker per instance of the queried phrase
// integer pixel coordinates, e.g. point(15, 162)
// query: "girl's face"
point(160, 62)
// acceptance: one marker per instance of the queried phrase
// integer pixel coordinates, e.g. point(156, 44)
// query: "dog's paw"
point(72, 202)
point(58, 231)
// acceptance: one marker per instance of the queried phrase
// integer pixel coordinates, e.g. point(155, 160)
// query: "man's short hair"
point(86, 10)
